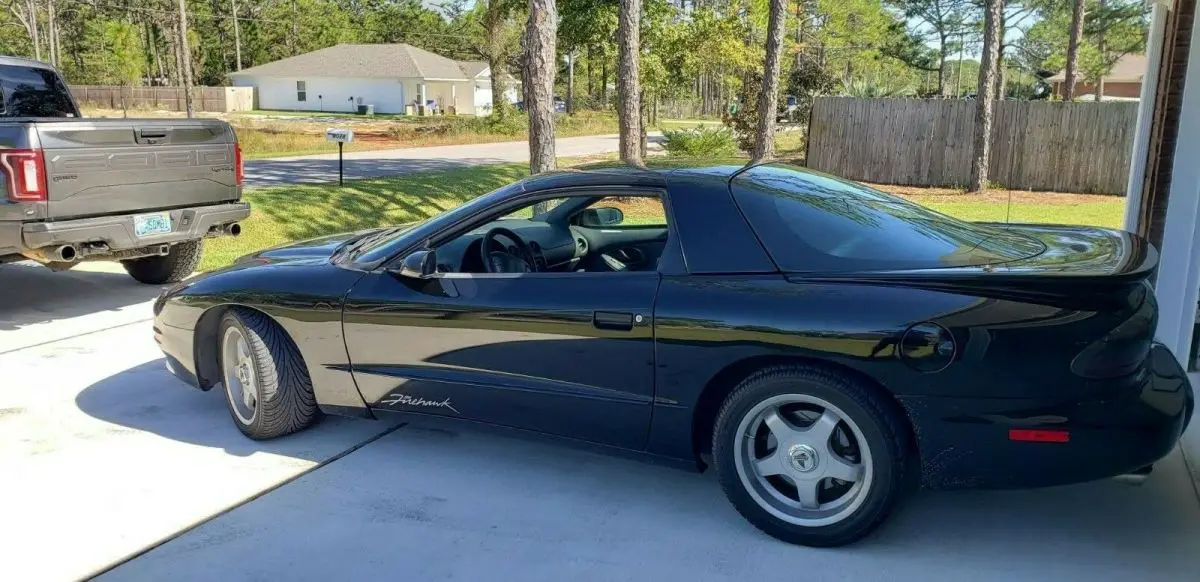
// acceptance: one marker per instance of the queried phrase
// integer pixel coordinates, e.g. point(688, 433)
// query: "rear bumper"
point(117, 231)
point(964, 443)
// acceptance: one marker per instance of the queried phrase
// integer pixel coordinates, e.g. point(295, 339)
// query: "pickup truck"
point(144, 192)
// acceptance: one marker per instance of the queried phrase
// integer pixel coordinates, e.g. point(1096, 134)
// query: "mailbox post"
point(340, 136)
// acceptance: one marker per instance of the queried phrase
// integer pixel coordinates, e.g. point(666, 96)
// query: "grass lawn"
point(287, 213)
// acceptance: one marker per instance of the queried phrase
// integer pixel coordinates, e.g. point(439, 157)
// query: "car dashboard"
point(554, 248)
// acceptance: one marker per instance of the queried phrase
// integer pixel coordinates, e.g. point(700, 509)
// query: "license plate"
point(147, 224)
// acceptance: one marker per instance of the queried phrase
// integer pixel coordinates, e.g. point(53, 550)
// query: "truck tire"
point(837, 467)
point(266, 384)
point(173, 267)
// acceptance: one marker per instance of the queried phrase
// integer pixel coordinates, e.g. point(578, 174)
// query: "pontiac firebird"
point(819, 344)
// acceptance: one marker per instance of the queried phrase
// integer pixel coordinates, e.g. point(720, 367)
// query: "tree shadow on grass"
point(310, 211)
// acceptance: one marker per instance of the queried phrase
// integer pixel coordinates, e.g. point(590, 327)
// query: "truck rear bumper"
point(117, 232)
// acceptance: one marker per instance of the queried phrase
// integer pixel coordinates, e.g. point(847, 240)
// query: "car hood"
point(313, 248)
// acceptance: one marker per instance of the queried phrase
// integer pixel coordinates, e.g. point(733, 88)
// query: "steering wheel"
point(505, 260)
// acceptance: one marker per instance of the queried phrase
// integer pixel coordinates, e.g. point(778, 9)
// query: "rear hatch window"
point(33, 92)
point(814, 222)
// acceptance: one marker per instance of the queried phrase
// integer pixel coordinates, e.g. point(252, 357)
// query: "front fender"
point(304, 297)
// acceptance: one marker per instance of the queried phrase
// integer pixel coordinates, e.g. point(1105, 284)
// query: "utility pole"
point(237, 36)
point(185, 55)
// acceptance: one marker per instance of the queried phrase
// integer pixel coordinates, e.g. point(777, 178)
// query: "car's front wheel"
point(809, 456)
point(267, 386)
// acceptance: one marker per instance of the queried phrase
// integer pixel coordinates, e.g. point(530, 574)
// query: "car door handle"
point(613, 320)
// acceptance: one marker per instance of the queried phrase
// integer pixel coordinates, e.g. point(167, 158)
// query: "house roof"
point(369, 60)
point(1129, 69)
point(472, 69)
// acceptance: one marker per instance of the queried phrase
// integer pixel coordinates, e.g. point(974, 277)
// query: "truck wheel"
point(808, 456)
point(267, 386)
point(173, 267)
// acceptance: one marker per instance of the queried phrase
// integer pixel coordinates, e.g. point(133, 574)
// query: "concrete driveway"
point(373, 164)
point(110, 465)
point(103, 452)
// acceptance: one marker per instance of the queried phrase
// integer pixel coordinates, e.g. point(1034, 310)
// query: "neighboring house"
point(389, 76)
point(1124, 81)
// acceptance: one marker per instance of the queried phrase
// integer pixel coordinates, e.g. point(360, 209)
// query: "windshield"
point(814, 222)
point(383, 247)
point(33, 92)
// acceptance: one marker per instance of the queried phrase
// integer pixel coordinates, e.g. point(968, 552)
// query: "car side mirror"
point(600, 217)
point(419, 265)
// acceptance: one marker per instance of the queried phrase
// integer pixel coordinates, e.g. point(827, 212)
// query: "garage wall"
point(388, 95)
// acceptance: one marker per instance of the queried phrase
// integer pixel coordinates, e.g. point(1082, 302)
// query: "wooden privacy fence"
point(1036, 145)
point(216, 99)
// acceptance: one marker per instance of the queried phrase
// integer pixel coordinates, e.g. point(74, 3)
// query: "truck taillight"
point(24, 175)
point(239, 165)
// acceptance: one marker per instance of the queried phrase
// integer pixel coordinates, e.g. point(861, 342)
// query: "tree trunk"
point(629, 108)
point(52, 32)
point(1101, 48)
point(237, 37)
point(984, 105)
point(152, 41)
point(768, 101)
point(185, 56)
point(494, 21)
point(175, 77)
point(958, 80)
point(539, 68)
point(571, 82)
point(1001, 28)
point(1077, 16)
point(603, 83)
point(32, 27)
point(591, 90)
point(941, 90)
point(295, 38)
point(643, 122)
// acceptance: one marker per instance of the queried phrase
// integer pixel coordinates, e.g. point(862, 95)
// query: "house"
point(1124, 81)
point(394, 78)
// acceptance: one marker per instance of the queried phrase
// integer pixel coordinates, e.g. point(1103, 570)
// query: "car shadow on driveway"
point(31, 294)
point(147, 398)
point(463, 504)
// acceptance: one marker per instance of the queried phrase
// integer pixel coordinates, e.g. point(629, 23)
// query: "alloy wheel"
point(803, 460)
point(241, 378)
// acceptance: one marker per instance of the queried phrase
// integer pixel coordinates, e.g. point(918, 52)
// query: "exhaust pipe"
point(1135, 478)
point(233, 229)
point(66, 254)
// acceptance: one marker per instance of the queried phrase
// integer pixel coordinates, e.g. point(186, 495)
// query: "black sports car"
point(819, 344)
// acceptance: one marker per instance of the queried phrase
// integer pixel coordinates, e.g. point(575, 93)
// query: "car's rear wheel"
point(266, 386)
point(809, 456)
point(179, 262)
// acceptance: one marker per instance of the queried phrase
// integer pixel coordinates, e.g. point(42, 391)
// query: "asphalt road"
point(107, 463)
point(373, 164)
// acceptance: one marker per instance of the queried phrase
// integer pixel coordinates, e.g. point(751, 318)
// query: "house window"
point(301, 91)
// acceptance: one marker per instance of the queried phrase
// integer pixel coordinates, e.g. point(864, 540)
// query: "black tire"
point(175, 266)
point(285, 400)
point(882, 426)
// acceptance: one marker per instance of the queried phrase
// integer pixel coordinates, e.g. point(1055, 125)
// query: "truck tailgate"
point(117, 166)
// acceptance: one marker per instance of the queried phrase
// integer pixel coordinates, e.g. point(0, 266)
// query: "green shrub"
point(711, 141)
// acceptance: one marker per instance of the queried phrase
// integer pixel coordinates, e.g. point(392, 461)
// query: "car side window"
point(584, 233)
point(622, 212)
